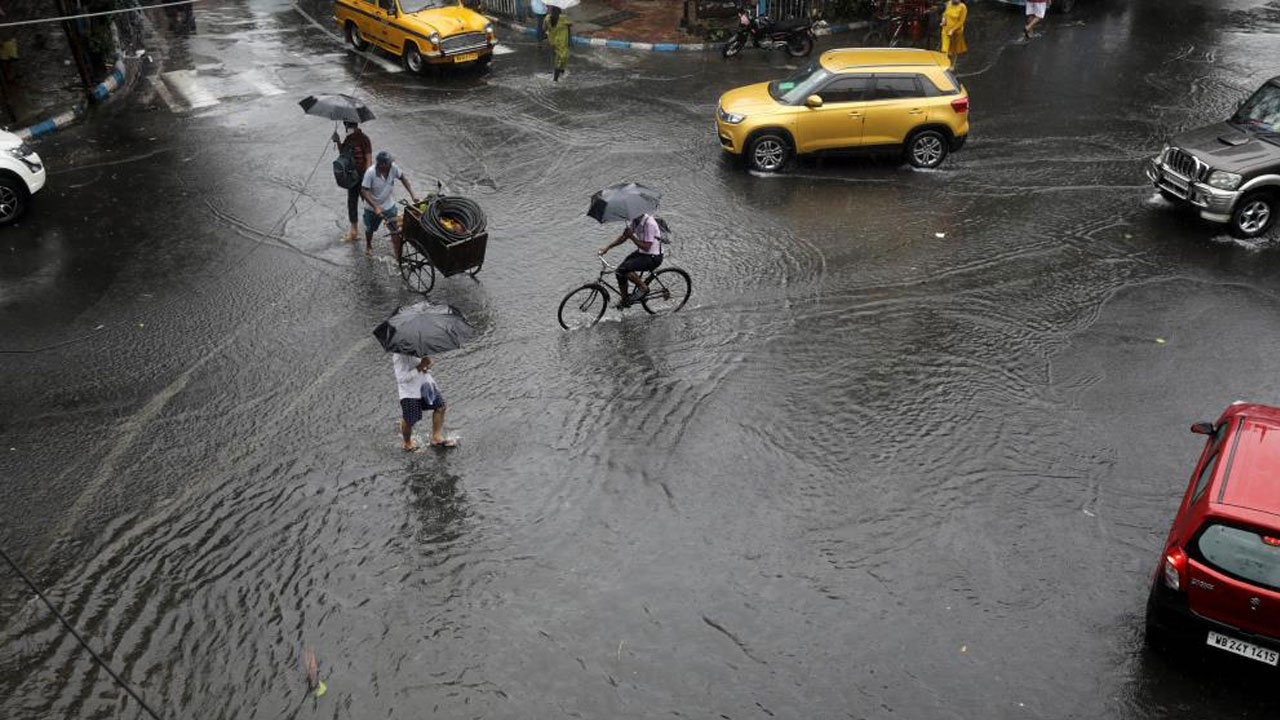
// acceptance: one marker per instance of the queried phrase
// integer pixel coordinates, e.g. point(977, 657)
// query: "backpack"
point(345, 172)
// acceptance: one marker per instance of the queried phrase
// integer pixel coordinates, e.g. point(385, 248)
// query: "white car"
point(21, 175)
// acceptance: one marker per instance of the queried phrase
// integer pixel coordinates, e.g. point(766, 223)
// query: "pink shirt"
point(645, 228)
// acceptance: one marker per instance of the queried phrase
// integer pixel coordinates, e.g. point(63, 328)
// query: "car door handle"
point(855, 114)
point(916, 111)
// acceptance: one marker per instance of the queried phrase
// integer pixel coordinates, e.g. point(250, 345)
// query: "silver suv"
point(21, 175)
point(1229, 171)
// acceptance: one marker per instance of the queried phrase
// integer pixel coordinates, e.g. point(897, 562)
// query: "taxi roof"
point(845, 58)
point(1252, 477)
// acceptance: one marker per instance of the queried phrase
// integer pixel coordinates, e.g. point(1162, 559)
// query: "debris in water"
point(939, 235)
point(1160, 341)
point(314, 683)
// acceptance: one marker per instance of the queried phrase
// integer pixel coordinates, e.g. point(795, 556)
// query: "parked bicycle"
point(669, 290)
point(901, 23)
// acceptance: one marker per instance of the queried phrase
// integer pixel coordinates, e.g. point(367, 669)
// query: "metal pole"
point(76, 43)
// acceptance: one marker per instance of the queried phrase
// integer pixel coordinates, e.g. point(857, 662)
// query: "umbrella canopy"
point(562, 4)
point(423, 329)
point(337, 107)
point(623, 202)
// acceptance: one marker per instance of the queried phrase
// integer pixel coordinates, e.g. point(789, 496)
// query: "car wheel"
point(800, 46)
point(1170, 197)
point(13, 199)
point(927, 149)
point(413, 59)
point(354, 37)
point(768, 152)
point(1255, 213)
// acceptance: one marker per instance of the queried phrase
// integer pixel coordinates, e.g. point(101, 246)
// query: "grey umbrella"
point(423, 329)
point(337, 107)
point(623, 202)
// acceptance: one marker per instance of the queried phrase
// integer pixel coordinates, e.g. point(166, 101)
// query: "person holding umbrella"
point(558, 31)
point(635, 204)
point(358, 146)
point(412, 334)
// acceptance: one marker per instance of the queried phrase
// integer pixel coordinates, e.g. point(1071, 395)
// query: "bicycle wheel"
point(583, 307)
point(416, 270)
point(668, 291)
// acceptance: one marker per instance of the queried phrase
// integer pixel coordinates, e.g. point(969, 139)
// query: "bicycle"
point(669, 290)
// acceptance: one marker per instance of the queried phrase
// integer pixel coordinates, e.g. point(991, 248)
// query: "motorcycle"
point(794, 36)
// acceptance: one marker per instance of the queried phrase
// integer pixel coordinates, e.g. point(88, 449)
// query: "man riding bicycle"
point(647, 236)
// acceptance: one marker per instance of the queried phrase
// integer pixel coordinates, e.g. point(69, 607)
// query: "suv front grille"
point(463, 43)
point(1185, 164)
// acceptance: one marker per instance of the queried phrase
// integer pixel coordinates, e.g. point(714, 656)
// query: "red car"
point(1218, 582)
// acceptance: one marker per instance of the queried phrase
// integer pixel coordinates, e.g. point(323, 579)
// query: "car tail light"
point(1175, 569)
point(1273, 542)
point(960, 105)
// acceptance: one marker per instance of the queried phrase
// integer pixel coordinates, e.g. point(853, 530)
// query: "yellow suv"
point(421, 32)
point(871, 98)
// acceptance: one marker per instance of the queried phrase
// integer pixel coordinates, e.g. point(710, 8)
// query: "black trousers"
point(353, 202)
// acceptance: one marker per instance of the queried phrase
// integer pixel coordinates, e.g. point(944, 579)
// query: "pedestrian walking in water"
point(358, 146)
point(953, 19)
point(539, 10)
point(419, 392)
point(558, 29)
point(380, 205)
point(1036, 11)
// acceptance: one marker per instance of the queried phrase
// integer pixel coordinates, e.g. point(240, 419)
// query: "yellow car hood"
point(447, 21)
point(750, 100)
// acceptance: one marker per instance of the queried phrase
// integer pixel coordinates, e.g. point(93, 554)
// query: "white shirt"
point(645, 228)
point(409, 380)
point(379, 187)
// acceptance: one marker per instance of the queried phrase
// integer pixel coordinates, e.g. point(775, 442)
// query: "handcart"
point(445, 235)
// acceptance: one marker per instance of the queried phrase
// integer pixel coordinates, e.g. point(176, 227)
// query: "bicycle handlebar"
point(606, 264)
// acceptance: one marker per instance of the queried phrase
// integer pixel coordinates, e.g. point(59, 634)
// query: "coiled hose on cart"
point(453, 219)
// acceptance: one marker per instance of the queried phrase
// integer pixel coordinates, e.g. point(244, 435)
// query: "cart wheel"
point(473, 271)
point(417, 272)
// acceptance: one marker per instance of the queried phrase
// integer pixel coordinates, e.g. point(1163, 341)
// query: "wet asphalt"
point(910, 451)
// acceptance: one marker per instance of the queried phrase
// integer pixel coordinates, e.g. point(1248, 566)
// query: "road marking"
point(501, 49)
point(260, 83)
point(163, 91)
point(380, 62)
point(186, 85)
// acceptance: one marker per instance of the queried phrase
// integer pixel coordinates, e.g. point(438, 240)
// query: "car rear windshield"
point(1262, 111)
point(795, 89)
point(1241, 553)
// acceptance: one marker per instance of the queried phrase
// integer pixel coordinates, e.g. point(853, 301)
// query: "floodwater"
point(910, 451)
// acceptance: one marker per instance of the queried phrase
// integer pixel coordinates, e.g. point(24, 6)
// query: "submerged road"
point(911, 451)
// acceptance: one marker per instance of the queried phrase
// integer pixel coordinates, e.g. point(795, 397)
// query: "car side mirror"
point(1202, 428)
point(813, 101)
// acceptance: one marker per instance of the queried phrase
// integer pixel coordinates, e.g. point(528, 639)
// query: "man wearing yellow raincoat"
point(953, 18)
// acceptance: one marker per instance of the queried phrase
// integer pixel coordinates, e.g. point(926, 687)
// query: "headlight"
point(21, 151)
point(1163, 152)
point(488, 29)
point(1223, 180)
point(731, 118)
point(434, 38)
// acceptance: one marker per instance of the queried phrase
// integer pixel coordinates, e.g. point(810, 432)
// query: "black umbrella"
point(337, 107)
point(423, 329)
point(623, 202)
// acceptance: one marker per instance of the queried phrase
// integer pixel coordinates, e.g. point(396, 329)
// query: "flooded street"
point(910, 451)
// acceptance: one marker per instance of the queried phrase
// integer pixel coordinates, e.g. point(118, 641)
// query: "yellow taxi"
point(421, 32)
point(872, 98)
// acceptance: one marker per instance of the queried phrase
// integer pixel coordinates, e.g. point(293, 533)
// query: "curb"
point(99, 93)
point(662, 46)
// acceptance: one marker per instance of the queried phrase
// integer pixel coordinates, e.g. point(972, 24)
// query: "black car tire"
point(800, 46)
point(413, 59)
point(1254, 214)
point(927, 149)
point(768, 152)
point(13, 199)
point(1170, 197)
point(354, 38)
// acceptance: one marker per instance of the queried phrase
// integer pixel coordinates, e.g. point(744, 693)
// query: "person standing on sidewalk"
point(953, 19)
point(558, 30)
point(1036, 10)
point(358, 145)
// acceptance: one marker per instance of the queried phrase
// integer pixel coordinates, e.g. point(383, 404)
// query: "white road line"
point(163, 91)
point(186, 84)
point(260, 83)
point(501, 49)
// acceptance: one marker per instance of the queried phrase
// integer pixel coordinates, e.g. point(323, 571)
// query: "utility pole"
point(76, 42)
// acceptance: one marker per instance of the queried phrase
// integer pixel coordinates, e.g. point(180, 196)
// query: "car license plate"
point(466, 57)
point(1243, 649)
